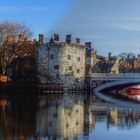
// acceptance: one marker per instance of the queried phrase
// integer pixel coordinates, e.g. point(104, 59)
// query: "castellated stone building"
point(59, 62)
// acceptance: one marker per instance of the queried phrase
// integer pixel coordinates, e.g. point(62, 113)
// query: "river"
point(73, 116)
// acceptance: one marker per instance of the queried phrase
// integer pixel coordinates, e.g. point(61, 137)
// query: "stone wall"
point(62, 63)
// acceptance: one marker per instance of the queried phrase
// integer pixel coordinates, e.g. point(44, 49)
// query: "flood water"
point(69, 116)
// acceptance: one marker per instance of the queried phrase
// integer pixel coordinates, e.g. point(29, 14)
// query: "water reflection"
point(123, 119)
point(64, 117)
point(60, 116)
point(17, 117)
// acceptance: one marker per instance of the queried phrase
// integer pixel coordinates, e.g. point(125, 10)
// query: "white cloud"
point(129, 27)
point(125, 23)
point(110, 18)
point(121, 44)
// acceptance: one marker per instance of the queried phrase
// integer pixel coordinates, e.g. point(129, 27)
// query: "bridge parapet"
point(114, 76)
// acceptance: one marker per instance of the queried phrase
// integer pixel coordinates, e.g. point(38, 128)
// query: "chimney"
point(68, 39)
point(41, 38)
point(34, 40)
point(88, 45)
point(56, 37)
point(77, 40)
point(51, 41)
point(128, 56)
point(96, 52)
point(109, 55)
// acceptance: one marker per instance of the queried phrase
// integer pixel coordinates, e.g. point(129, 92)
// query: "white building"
point(59, 62)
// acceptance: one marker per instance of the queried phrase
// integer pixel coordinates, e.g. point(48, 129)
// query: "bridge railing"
point(115, 75)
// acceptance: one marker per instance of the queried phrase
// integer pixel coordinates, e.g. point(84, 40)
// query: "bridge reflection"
point(116, 85)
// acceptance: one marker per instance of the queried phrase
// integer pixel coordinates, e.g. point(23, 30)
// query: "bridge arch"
point(99, 89)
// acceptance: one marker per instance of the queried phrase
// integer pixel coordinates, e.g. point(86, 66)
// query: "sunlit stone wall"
point(62, 63)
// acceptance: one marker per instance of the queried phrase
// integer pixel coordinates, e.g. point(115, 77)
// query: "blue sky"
point(111, 25)
point(41, 15)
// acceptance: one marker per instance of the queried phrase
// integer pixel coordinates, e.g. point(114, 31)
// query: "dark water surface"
point(70, 116)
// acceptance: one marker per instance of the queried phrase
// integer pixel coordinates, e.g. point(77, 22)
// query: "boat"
point(133, 92)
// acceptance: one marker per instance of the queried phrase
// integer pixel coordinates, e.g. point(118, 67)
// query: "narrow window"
point(78, 59)
point(77, 123)
point(51, 56)
point(67, 125)
point(56, 67)
point(69, 57)
point(70, 68)
point(77, 111)
point(78, 71)
point(57, 75)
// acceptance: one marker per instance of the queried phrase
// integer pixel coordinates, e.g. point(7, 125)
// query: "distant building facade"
point(130, 64)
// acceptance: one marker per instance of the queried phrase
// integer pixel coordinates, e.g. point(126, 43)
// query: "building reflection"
point(59, 116)
point(64, 118)
point(123, 119)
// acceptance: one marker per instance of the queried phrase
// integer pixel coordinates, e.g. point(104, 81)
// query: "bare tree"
point(8, 30)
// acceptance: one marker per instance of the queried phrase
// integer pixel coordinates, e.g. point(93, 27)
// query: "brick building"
point(130, 64)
